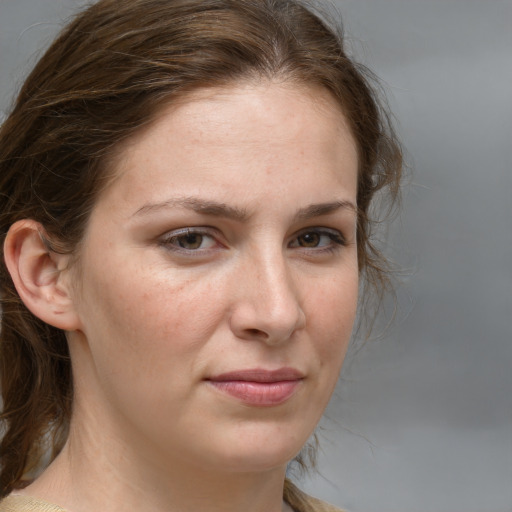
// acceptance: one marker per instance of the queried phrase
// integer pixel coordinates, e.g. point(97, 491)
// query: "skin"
point(262, 280)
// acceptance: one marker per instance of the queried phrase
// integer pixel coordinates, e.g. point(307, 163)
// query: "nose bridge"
point(273, 277)
point(270, 306)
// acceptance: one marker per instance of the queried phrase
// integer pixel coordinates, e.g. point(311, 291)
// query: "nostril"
point(256, 333)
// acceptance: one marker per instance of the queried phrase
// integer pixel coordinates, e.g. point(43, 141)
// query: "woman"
point(185, 224)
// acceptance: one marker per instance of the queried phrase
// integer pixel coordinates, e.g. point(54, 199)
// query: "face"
point(218, 279)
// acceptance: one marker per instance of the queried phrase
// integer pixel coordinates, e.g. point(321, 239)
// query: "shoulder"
point(301, 502)
point(19, 503)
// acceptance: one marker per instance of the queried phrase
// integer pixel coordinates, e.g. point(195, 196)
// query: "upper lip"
point(259, 375)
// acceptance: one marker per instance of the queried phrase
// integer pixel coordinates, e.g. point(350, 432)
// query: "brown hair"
point(102, 80)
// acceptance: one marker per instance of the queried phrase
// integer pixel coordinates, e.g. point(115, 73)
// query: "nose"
point(267, 304)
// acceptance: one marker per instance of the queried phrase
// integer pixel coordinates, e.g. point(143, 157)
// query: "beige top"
point(299, 501)
point(19, 503)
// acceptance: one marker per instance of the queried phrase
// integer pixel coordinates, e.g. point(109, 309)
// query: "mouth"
point(259, 387)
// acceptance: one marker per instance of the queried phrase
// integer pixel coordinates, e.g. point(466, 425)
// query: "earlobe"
point(40, 275)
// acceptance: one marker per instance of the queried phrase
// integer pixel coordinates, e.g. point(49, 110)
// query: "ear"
point(40, 275)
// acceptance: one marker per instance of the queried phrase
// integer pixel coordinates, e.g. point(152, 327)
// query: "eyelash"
point(171, 240)
point(336, 239)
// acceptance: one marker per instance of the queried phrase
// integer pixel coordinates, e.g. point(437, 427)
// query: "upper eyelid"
point(321, 230)
point(193, 230)
point(199, 230)
point(212, 229)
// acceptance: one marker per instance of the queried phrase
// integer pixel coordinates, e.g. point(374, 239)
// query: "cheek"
point(332, 314)
point(145, 315)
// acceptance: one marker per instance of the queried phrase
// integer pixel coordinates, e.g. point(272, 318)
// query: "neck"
point(101, 473)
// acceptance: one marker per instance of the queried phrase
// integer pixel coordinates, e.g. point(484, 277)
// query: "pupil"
point(191, 241)
point(309, 239)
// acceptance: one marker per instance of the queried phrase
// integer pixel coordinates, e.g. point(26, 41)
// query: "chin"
point(258, 461)
point(253, 451)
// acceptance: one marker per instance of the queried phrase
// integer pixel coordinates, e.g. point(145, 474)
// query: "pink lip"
point(259, 387)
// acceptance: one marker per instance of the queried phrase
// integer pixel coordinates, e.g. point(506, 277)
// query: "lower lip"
point(263, 394)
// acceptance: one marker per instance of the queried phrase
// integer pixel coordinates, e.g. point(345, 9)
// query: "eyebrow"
point(197, 205)
point(218, 209)
point(317, 210)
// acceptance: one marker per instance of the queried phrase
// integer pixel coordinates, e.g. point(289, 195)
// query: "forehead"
point(215, 111)
point(227, 133)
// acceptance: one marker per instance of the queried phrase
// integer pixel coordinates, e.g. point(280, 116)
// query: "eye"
point(189, 240)
point(318, 238)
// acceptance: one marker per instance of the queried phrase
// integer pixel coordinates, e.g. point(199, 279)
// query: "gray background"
point(422, 418)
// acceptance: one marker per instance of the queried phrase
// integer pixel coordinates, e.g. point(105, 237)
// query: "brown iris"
point(310, 239)
point(190, 240)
